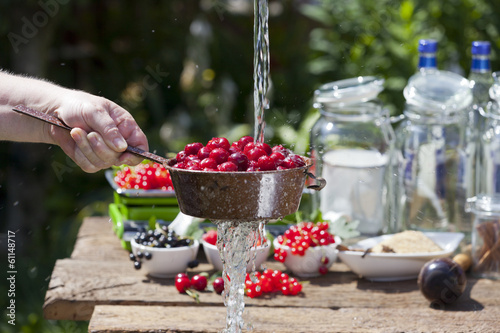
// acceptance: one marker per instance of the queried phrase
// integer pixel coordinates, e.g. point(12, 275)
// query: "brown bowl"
point(240, 196)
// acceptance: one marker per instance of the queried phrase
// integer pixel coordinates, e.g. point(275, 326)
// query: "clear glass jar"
point(434, 154)
point(486, 235)
point(351, 145)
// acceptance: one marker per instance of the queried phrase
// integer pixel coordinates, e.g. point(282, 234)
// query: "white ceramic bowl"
point(308, 264)
point(165, 262)
point(213, 256)
point(396, 266)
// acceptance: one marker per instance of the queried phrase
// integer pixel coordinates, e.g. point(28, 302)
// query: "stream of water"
point(261, 66)
point(236, 238)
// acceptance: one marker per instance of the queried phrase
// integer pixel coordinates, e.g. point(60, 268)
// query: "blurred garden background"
point(184, 69)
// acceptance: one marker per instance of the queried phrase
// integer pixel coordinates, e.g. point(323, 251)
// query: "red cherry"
point(265, 147)
point(240, 159)
point(323, 270)
point(181, 156)
point(265, 163)
point(220, 155)
point(280, 149)
point(249, 146)
point(182, 284)
point(199, 282)
point(218, 285)
point(297, 160)
point(209, 163)
point(204, 153)
point(218, 143)
point(227, 166)
point(245, 140)
point(277, 158)
point(192, 148)
point(255, 153)
point(181, 275)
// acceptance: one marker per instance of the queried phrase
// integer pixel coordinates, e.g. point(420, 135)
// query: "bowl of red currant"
point(162, 253)
point(307, 249)
point(240, 181)
point(260, 252)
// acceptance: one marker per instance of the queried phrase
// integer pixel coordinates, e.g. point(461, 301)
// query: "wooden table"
point(98, 283)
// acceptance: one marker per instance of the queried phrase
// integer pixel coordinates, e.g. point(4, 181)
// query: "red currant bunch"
point(298, 238)
point(271, 281)
point(242, 155)
point(145, 176)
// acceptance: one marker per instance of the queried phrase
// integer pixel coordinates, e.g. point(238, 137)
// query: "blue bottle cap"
point(427, 46)
point(481, 47)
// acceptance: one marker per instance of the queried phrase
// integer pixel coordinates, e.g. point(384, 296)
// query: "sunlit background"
point(184, 70)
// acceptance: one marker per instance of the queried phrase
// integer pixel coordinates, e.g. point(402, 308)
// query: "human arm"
point(101, 128)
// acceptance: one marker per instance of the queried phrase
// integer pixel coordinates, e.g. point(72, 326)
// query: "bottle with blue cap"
point(427, 49)
point(480, 72)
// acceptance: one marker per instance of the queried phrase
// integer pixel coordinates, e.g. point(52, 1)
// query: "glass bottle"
point(480, 77)
point(488, 161)
point(352, 144)
point(427, 49)
point(486, 235)
point(432, 156)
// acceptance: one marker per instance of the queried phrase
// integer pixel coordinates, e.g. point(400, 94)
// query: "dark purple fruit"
point(442, 281)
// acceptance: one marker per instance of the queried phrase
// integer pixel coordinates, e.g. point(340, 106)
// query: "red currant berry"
point(323, 270)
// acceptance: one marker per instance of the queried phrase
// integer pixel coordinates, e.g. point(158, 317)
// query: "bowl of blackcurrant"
point(162, 253)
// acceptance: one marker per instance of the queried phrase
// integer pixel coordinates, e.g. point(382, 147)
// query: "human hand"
point(101, 132)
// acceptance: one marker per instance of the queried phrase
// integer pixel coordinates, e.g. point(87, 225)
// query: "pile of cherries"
point(242, 155)
point(144, 176)
point(302, 236)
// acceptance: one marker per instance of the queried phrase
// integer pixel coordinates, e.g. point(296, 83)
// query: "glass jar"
point(434, 153)
point(488, 179)
point(486, 235)
point(351, 145)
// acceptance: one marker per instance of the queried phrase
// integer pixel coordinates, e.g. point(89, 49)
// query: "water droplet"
point(63, 64)
point(152, 30)
point(16, 203)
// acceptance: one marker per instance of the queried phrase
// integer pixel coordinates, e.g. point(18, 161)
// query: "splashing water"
point(261, 66)
point(234, 241)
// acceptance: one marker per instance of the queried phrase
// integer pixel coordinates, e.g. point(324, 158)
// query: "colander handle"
point(320, 182)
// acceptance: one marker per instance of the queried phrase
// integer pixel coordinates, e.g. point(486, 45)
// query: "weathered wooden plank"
point(96, 241)
point(161, 319)
point(77, 282)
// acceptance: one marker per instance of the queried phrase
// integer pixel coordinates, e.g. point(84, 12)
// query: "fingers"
point(100, 121)
point(91, 152)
